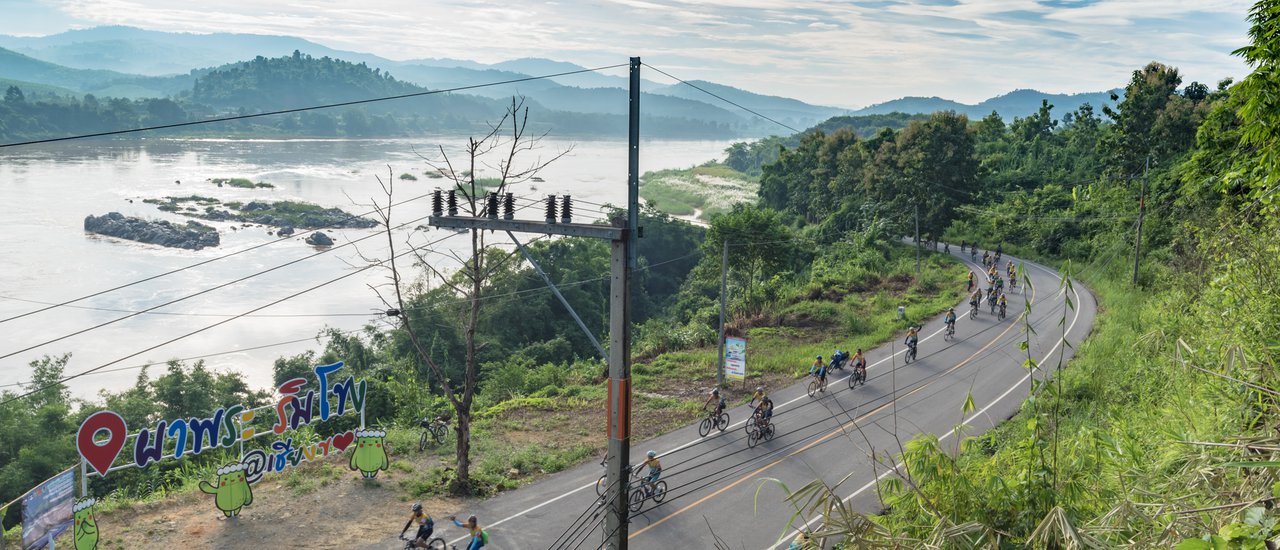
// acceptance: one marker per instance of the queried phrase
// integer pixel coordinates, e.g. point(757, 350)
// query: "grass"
point(704, 190)
point(242, 183)
point(408, 177)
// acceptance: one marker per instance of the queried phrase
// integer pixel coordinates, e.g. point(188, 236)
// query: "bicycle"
point(951, 332)
point(910, 355)
point(435, 429)
point(639, 494)
point(858, 377)
point(436, 543)
point(602, 484)
point(973, 310)
point(816, 385)
point(1001, 316)
point(992, 301)
point(713, 421)
point(759, 433)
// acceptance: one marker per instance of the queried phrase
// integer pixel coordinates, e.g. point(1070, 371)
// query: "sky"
point(849, 54)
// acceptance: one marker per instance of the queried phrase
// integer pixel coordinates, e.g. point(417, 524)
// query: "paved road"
point(719, 479)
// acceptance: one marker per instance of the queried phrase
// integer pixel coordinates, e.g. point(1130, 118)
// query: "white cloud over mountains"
point(846, 53)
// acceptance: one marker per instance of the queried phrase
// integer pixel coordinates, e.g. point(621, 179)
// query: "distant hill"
point(156, 53)
point(791, 112)
point(1015, 104)
point(16, 66)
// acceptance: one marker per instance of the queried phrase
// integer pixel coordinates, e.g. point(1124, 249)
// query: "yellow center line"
point(833, 433)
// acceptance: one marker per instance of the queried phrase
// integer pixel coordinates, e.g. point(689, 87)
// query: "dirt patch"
point(340, 511)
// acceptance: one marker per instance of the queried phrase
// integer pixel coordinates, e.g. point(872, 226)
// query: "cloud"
point(847, 53)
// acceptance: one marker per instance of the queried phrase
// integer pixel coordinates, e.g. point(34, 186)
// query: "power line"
point(214, 325)
point(712, 94)
point(207, 290)
point(192, 266)
point(309, 108)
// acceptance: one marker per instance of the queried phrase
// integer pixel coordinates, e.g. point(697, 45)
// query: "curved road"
point(718, 480)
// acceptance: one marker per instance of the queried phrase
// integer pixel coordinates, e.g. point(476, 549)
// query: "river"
point(48, 258)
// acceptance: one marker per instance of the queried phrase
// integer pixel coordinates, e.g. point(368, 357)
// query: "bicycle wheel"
point(659, 491)
point(422, 441)
point(601, 483)
point(440, 432)
point(722, 421)
point(436, 544)
point(704, 427)
point(768, 432)
point(636, 499)
point(813, 388)
point(753, 437)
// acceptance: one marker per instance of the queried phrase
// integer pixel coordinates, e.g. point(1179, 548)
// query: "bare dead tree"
point(508, 141)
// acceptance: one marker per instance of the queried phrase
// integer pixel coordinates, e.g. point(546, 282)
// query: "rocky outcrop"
point(192, 236)
point(319, 239)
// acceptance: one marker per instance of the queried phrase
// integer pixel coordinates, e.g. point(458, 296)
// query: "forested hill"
point(282, 82)
point(1015, 104)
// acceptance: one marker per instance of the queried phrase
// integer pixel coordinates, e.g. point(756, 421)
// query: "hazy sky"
point(849, 53)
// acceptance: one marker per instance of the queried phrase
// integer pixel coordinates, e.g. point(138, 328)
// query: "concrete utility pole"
point(622, 234)
point(1142, 208)
point(917, 240)
point(724, 276)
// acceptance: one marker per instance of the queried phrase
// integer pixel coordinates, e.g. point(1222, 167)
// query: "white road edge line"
point(786, 540)
point(691, 443)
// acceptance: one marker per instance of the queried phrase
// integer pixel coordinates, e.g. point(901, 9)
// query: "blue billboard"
point(46, 510)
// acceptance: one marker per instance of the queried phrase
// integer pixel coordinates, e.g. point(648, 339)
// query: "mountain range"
point(129, 62)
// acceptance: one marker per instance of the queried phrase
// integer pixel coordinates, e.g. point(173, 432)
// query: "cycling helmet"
point(715, 391)
point(759, 388)
point(819, 357)
point(417, 507)
point(652, 454)
point(472, 520)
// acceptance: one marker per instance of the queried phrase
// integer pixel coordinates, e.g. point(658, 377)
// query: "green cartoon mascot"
point(232, 492)
point(370, 454)
point(86, 526)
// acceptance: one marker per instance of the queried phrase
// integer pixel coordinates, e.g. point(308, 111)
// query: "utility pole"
point(724, 276)
point(1142, 208)
point(917, 240)
point(622, 234)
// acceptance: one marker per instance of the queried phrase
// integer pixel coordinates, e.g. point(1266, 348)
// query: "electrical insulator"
point(509, 207)
point(453, 202)
point(566, 209)
point(491, 205)
point(437, 203)
point(551, 209)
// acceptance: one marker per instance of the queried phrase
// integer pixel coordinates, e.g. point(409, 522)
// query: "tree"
point(508, 141)
point(760, 245)
point(14, 95)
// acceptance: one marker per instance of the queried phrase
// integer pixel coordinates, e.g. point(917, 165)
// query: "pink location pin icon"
point(101, 456)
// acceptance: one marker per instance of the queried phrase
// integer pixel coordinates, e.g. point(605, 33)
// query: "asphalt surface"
point(719, 485)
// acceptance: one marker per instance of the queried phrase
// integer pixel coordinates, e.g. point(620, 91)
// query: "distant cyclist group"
point(994, 296)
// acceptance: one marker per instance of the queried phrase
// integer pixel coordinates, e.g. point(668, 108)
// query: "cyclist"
point(946, 248)
point(819, 370)
point(950, 319)
point(1004, 303)
point(715, 398)
point(970, 282)
point(1009, 268)
point(859, 361)
point(913, 337)
point(999, 284)
point(765, 410)
point(425, 526)
point(800, 542)
point(975, 299)
point(479, 537)
point(986, 258)
point(655, 471)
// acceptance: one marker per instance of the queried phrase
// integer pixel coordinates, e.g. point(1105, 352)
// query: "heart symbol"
point(101, 456)
point(342, 441)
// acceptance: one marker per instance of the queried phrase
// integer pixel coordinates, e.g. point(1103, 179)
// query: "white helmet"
point(652, 454)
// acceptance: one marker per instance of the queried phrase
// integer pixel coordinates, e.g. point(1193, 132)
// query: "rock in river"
point(192, 236)
point(319, 239)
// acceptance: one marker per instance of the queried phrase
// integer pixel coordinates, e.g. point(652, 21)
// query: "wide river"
point(48, 258)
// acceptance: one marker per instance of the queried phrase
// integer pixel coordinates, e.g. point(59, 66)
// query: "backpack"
point(484, 537)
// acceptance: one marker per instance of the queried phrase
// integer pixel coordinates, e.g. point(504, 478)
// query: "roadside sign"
point(46, 510)
point(735, 358)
